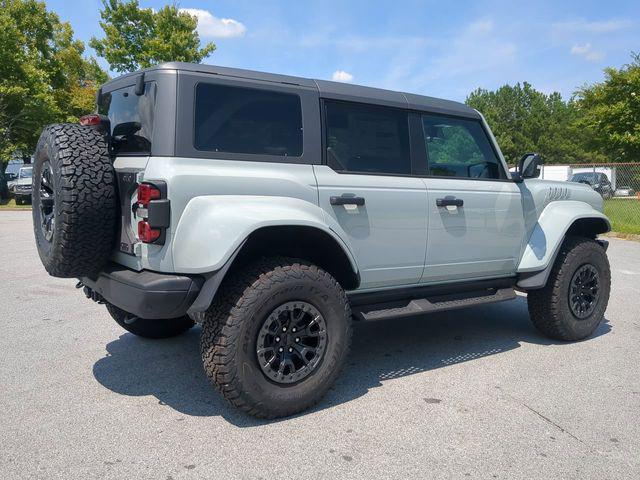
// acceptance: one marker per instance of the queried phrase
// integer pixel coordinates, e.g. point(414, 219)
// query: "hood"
point(23, 181)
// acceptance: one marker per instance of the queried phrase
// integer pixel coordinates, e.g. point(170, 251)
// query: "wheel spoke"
point(287, 356)
point(584, 291)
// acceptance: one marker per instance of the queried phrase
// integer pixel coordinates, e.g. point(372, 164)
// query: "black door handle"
point(449, 202)
point(346, 200)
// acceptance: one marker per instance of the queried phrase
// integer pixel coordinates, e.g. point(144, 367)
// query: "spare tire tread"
point(86, 202)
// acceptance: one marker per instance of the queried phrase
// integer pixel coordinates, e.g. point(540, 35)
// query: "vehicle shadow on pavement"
point(171, 369)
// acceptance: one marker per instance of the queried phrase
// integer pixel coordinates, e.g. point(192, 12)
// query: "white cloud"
point(341, 76)
point(481, 27)
point(587, 52)
point(582, 25)
point(214, 27)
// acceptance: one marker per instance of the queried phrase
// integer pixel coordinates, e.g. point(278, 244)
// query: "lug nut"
point(297, 340)
point(293, 329)
point(290, 349)
point(277, 339)
point(281, 349)
point(284, 329)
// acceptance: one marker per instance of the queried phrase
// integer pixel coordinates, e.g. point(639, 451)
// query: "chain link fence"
point(618, 183)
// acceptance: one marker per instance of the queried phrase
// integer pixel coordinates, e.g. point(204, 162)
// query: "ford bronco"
point(274, 210)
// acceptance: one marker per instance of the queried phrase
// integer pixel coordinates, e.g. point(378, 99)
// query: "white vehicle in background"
point(624, 192)
point(274, 210)
point(21, 187)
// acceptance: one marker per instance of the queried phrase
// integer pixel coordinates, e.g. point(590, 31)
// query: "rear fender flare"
point(212, 228)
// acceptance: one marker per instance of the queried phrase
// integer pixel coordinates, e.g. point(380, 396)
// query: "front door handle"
point(346, 199)
point(449, 202)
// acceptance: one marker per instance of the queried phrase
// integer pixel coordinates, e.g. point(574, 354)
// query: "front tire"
point(572, 304)
point(148, 328)
point(276, 337)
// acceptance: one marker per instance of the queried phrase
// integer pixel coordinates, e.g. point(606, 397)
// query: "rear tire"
point(147, 328)
point(279, 293)
point(567, 307)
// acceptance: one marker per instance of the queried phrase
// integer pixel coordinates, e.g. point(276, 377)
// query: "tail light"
point(147, 234)
point(146, 193)
point(90, 120)
point(154, 210)
point(100, 122)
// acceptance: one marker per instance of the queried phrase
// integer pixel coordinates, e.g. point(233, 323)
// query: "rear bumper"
point(144, 294)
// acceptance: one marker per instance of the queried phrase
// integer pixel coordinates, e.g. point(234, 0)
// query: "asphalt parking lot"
point(474, 393)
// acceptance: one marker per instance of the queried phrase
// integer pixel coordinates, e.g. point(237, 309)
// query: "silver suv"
point(274, 210)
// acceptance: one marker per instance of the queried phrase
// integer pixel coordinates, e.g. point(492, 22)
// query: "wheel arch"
point(297, 241)
point(217, 233)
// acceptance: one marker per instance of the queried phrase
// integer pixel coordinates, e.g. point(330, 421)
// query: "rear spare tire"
point(74, 200)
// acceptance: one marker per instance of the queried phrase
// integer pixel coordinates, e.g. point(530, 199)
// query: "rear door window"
point(131, 119)
point(247, 121)
point(367, 138)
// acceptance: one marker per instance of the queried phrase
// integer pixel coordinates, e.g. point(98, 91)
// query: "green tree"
point(610, 113)
point(43, 75)
point(140, 37)
point(524, 119)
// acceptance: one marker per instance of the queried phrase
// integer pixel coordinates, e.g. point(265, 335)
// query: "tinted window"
point(131, 118)
point(244, 120)
point(459, 148)
point(364, 138)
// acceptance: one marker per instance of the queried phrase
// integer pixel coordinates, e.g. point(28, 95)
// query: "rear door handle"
point(346, 199)
point(449, 202)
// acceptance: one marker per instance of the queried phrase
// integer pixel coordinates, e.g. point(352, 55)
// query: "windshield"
point(26, 172)
point(589, 177)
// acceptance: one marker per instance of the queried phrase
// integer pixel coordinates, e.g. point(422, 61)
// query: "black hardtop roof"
point(345, 91)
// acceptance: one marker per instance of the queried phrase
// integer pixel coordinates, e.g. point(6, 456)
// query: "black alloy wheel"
point(584, 291)
point(291, 342)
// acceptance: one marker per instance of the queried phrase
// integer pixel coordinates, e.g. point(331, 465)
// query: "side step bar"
point(433, 304)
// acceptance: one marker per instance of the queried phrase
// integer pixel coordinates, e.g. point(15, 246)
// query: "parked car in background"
point(624, 192)
point(11, 179)
point(21, 189)
point(598, 181)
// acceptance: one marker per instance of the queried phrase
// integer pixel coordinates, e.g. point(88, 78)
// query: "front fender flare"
point(550, 230)
point(212, 227)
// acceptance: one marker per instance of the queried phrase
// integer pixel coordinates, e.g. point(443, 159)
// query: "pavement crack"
point(557, 425)
point(547, 419)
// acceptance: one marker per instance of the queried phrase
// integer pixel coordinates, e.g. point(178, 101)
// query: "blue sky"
point(444, 48)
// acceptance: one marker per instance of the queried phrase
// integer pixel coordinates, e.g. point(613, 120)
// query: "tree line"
point(45, 77)
point(599, 123)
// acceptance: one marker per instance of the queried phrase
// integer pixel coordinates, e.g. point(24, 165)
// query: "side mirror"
point(529, 166)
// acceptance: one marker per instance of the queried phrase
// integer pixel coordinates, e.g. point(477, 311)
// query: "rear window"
point(247, 120)
point(131, 118)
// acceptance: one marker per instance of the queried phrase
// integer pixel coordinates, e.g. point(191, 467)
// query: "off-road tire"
point(147, 328)
point(230, 328)
point(549, 307)
point(85, 208)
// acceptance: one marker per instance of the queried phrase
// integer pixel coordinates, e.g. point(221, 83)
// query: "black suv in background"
point(596, 180)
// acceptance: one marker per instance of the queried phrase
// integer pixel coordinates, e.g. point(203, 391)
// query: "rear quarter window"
point(247, 121)
point(131, 117)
